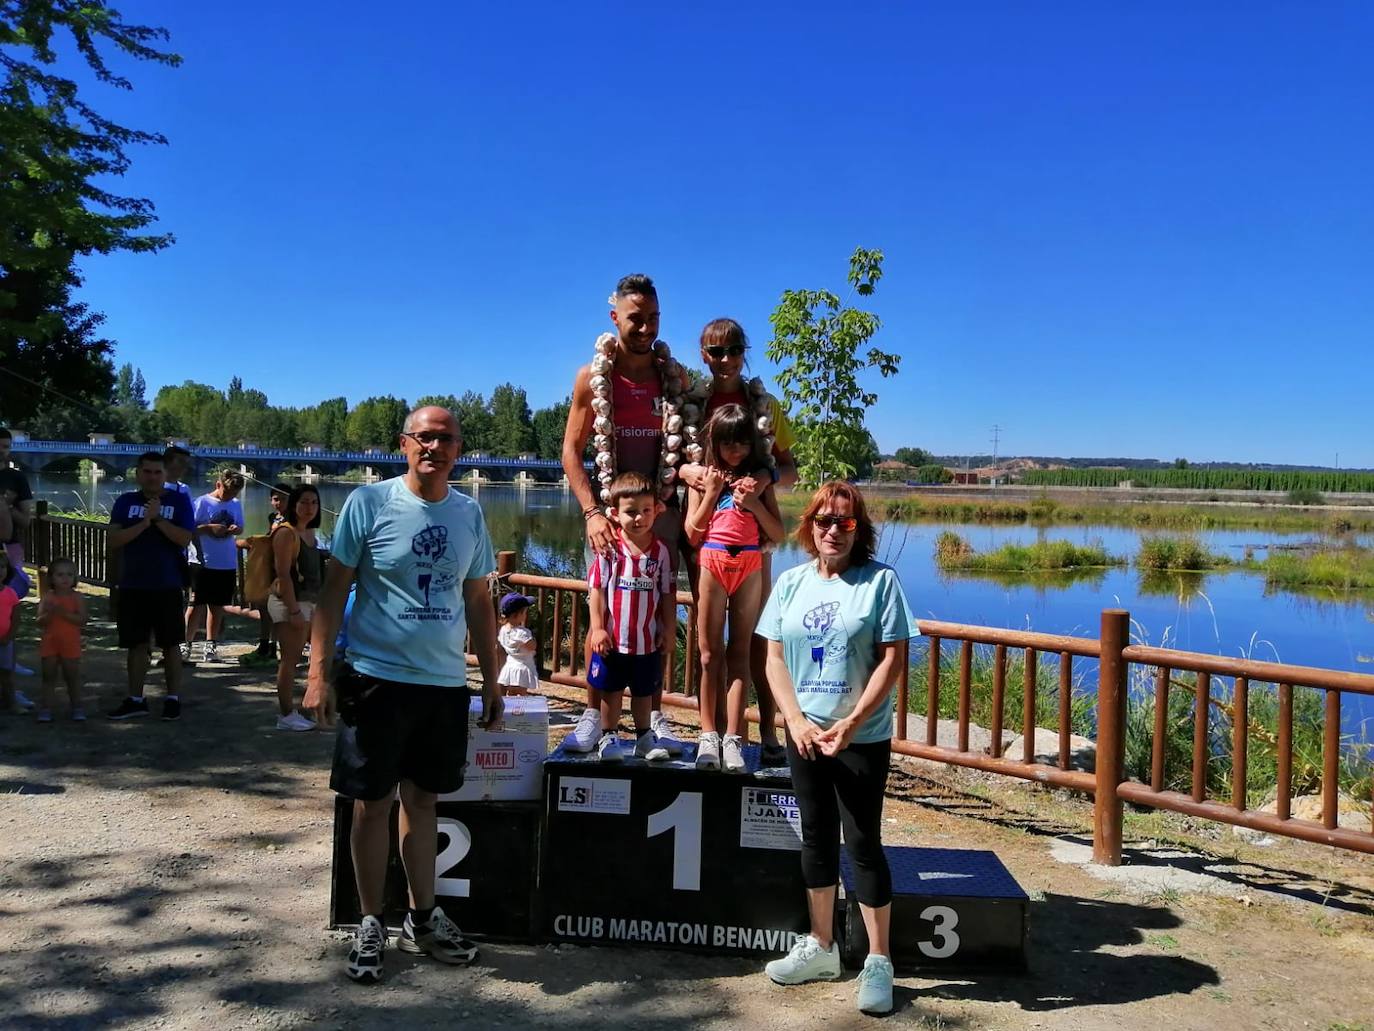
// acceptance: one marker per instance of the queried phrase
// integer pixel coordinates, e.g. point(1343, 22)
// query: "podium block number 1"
point(457, 849)
point(683, 817)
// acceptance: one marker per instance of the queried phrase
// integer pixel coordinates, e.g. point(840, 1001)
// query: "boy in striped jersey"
point(633, 606)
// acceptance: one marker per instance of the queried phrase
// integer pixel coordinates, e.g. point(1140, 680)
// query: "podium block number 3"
point(453, 853)
point(946, 942)
point(683, 817)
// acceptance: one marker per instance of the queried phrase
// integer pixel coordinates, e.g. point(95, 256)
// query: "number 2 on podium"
point(459, 844)
point(683, 817)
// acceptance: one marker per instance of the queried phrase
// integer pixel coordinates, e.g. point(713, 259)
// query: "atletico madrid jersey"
point(633, 585)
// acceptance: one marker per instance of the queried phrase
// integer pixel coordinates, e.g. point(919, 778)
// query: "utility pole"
point(996, 437)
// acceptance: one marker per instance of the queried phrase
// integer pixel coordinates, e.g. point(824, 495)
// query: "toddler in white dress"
point(519, 675)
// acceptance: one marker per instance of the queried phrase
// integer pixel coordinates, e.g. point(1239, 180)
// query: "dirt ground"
point(177, 875)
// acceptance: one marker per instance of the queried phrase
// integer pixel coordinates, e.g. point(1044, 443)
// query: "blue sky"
point(1140, 230)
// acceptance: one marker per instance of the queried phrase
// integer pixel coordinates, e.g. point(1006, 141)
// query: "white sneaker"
point(186, 652)
point(732, 753)
point(22, 701)
point(658, 723)
point(608, 749)
point(294, 721)
point(806, 962)
point(648, 748)
point(708, 751)
point(211, 652)
point(584, 736)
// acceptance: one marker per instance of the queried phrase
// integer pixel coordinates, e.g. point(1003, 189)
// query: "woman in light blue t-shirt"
point(836, 629)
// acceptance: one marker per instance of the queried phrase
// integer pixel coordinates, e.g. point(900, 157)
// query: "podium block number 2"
point(453, 853)
point(683, 817)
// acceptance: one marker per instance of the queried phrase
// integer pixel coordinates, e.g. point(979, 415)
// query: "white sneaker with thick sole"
point(648, 748)
point(439, 939)
point(806, 962)
point(585, 735)
point(732, 753)
point(658, 723)
point(294, 721)
point(708, 751)
point(608, 749)
point(210, 652)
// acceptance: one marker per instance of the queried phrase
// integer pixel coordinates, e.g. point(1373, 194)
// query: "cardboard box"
point(525, 714)
point(502, 768)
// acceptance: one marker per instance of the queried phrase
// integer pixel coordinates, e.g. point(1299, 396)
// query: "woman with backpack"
point(298, 564)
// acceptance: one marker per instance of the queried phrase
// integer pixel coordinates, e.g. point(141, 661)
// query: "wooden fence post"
point(1111, 737)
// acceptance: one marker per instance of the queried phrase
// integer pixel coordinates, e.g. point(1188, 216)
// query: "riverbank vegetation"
point(1193, 478)
point(1335, 569)
point(1044, 511)
point(1167, 553)
point(953, 553)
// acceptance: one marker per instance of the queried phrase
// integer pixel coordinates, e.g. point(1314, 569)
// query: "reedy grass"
point(1170, 552)
point(1339, 569)
point(953, 552)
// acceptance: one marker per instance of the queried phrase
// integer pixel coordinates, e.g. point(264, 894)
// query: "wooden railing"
point(562, 653)
point(48, 537)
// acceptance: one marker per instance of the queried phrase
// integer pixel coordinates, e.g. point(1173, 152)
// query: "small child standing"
point(61, 614)
point(633, 606)
point(730, 519)
point(519, 675)
point(12, 588)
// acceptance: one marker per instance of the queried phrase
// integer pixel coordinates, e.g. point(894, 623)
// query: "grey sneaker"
point(365, 957)
point(608, 749)
point(648, 748)
point(875, 986)
point(708, 751)
point(658, 723)
point(807, 962)
point(732, 753)
point(584, 736)
point(211, 651)
point(439, 939)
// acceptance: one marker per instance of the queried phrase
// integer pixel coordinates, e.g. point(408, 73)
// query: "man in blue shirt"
point(150, 528)
point(420, 554)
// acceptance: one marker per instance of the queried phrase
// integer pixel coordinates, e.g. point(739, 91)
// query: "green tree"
point(475, 419)
point(57, 160)
point(817, 342)
point(914, 456)
point(549, 424)
point(181, 409)
point(376, 422)
point(323, 423)
point(130, 389)
point(512, 431)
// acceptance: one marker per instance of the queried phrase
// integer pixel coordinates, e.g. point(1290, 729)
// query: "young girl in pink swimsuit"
point(729, 520)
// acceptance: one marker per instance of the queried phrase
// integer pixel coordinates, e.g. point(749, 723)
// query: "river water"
point(1228, 614)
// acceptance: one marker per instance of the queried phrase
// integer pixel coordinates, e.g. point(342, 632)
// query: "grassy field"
point(953, 553)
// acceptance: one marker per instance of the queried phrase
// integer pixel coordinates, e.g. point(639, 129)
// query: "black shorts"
point(212, 586)
point(156, 615)
point(390, 732)
point(617, 671)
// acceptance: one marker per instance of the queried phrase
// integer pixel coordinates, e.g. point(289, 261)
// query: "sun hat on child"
point(513, 601)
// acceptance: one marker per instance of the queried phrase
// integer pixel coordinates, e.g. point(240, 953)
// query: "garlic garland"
point(694, 411)
point(672, 377)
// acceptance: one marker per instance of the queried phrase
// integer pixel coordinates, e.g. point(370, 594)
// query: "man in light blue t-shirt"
point(420, 555)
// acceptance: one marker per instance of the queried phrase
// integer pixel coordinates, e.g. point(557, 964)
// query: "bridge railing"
point(300, 455)
point(561, 605)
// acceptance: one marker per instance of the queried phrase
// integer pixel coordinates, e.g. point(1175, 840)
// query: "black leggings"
point(844, 789)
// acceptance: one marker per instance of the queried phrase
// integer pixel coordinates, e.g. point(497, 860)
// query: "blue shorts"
point(616, 671)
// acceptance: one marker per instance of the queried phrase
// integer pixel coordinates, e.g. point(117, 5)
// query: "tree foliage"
point(914, 456)
point(57, 158)
point(817, 341)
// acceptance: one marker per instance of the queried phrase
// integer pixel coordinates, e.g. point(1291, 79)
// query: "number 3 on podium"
point(683, 817)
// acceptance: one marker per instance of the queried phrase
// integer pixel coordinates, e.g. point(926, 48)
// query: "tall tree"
point(512, 431)
point(376, 422)
point(817, 342)
point(475, 419)
point(548, 429)
point(57, 159)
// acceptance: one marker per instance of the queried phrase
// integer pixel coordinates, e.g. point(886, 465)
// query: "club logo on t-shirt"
point(829, 641)
point(433, 576)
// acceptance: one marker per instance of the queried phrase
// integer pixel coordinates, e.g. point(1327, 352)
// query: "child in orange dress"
point(61, 614)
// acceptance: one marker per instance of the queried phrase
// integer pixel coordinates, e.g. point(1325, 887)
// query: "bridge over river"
point(270, 463)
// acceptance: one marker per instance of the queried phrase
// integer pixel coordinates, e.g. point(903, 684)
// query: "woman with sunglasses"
point(836, 629)
point(723, 350)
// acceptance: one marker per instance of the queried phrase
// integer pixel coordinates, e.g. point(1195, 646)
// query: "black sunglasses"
point(719, 351)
